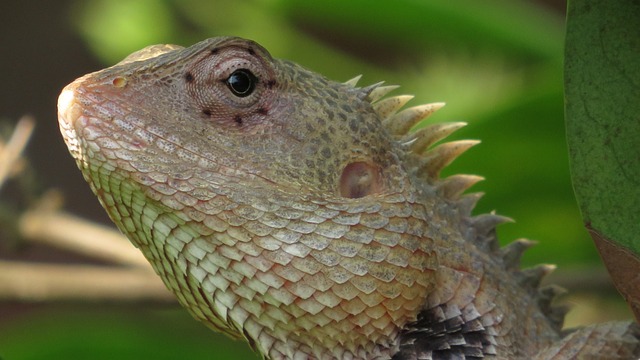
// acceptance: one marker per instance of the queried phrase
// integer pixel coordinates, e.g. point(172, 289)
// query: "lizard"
point(308, 216)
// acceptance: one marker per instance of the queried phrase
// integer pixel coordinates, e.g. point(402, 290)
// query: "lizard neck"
point(292, 275)
point(470, 313)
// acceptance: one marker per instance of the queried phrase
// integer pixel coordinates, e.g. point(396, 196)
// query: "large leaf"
point(602, 92)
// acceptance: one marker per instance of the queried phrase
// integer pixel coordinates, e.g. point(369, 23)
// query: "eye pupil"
point(241, 82)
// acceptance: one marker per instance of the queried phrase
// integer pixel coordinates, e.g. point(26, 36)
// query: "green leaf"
point(602, 95)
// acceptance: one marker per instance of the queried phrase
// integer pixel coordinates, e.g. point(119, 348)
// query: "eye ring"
point(241, 82)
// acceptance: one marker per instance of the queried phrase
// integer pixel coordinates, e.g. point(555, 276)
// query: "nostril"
point(360, 179)
point(119, 82)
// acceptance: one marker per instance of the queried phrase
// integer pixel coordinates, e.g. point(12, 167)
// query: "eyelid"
point(210, 90)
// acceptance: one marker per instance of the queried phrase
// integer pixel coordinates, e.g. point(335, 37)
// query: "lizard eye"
point(232, 82)
point(241, 82)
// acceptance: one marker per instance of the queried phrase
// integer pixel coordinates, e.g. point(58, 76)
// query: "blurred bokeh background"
point(497, 64)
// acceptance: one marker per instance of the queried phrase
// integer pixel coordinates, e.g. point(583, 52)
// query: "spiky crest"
point(388, 107)
point(442, 155)
point(429, 158)
point(353, 81)
point(453, 186)
point(431, 134)
point(402, 122)
point(378, 91)
point(512, 253)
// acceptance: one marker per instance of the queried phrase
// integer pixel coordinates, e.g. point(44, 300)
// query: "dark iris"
point(241, 82)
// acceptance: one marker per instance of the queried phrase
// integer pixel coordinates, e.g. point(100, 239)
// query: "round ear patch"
point(360, 179)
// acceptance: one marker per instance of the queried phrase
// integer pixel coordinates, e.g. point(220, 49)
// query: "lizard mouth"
point(92, 126)
point(82, 122)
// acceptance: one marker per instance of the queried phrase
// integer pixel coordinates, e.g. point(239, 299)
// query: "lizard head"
point(226, 105)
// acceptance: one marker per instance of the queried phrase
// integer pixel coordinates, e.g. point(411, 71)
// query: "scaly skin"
point(302, 215)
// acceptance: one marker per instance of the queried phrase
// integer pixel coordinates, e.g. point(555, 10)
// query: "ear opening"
point(360, 179)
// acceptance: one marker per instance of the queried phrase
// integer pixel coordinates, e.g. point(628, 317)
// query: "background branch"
point(33, 282)
point(129, 279)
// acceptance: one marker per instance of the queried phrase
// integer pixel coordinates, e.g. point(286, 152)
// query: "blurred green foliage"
point(75, 332)
point(497, 64)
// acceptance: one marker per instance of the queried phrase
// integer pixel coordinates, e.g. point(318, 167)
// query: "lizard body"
point(302, 215)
